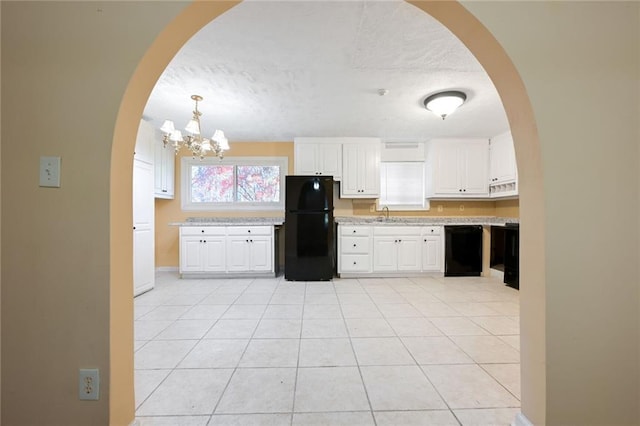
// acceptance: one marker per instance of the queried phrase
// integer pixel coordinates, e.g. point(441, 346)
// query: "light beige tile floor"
point(378, 351)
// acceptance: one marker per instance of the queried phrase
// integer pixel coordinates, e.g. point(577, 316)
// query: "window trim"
point(185, 183)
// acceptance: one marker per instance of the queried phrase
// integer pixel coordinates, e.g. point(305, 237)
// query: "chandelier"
point(194, 141)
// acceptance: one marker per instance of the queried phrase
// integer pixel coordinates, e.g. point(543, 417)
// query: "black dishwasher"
point(463, 251)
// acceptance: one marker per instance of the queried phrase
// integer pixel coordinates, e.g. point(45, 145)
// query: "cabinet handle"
point(247, 240)
point(354, 231)
point(460, 190)
point(354, 263)
point(202, 231)
point(249, 230)
point(200, 240)
point(464, 190)
point(204, 241)
point(250, 241)
point(354, 245)
point(164, 190)
point(425, 240)
point(134, 228)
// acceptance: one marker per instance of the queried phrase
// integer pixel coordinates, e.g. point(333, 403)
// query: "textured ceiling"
point(271, 71)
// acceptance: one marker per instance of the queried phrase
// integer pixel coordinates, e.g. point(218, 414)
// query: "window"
point(402, 186)
point(234, 183)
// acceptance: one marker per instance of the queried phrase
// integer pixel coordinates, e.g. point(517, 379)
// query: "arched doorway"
point(511, 89)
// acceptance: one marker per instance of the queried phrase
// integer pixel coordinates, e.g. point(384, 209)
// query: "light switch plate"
point(50, 172)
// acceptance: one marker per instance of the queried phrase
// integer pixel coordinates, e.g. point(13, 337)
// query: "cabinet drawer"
point(364, 231)
point(355, 263)
point(354, 245)
point(431, 230)
point(249, 230)
point(396, 230)
point(202, 230)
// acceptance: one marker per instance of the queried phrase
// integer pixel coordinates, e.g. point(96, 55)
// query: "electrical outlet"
point(461, 207)
point(89, 384)
point(440, 208)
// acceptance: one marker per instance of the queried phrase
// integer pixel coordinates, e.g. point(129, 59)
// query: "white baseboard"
point(521, 420)
point(167, 269)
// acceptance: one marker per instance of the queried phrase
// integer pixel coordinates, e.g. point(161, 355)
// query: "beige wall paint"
point(508, 208)
point(571, 55)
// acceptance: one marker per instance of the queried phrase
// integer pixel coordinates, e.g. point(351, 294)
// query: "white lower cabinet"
point(432, 249)
point(396, 248)
point(226, 250)
point(388, 250)
point(354, 249)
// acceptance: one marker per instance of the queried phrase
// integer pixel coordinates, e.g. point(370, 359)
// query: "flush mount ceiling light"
point(444, 103)
point(194, 141)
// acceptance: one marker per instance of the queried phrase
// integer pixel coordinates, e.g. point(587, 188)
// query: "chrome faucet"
point(385, 209)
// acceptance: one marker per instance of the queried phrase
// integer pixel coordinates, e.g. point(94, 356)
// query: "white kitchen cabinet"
point(227, 250)
point(396, 248)
point(318, 156)
point(458, 168)
point(249, 254)
point(143, 211)
point(354, 249)
point(143, 228)
point(432, 249)
point(360, 168)
point(503, 180)
point(164, 165)
point(202, 249)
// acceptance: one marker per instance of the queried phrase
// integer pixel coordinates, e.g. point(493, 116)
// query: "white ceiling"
point(271, 71)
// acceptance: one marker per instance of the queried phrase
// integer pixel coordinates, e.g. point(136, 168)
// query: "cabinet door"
point(475, 165)
point(261, 254)
point(191, 254)
point(349, 184)
point(238, 254)
point(431, 253)
point(214, 249)
point(306, 159)
point(164, 166)
point(360, 170)
point(502, 159)
point(143, 227)
point(408, 254)
point(330, 158)
point(369, 169)
point(385, 254)
point(446, 169)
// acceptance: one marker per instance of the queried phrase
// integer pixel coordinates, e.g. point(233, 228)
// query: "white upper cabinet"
point(503, 180)
point(318, 156)
point(164, 165)
point(361, 168)
point(458, 168)
point(144, 142)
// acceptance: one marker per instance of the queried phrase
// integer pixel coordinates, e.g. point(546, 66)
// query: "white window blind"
point(402, 185)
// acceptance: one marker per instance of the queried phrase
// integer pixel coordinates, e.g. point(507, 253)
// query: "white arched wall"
point(495, 61)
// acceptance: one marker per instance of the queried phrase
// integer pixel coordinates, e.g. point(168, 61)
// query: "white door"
point(349, 184)
point(408, 257)
point(475, 168)
point(191, 255)
point(385, 254)
point(238, 254)
point(214, 249)
point(369, 169)
point(143, 232)
point(431, 254)
point(330, 155)
point(306, 159)
point(446, 169)
point(261, 258)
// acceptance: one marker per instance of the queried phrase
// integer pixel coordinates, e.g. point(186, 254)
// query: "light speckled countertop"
point(429, 221)
point(230, 221)
point(351, 220)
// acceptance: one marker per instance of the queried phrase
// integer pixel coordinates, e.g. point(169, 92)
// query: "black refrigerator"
point(309, 228)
